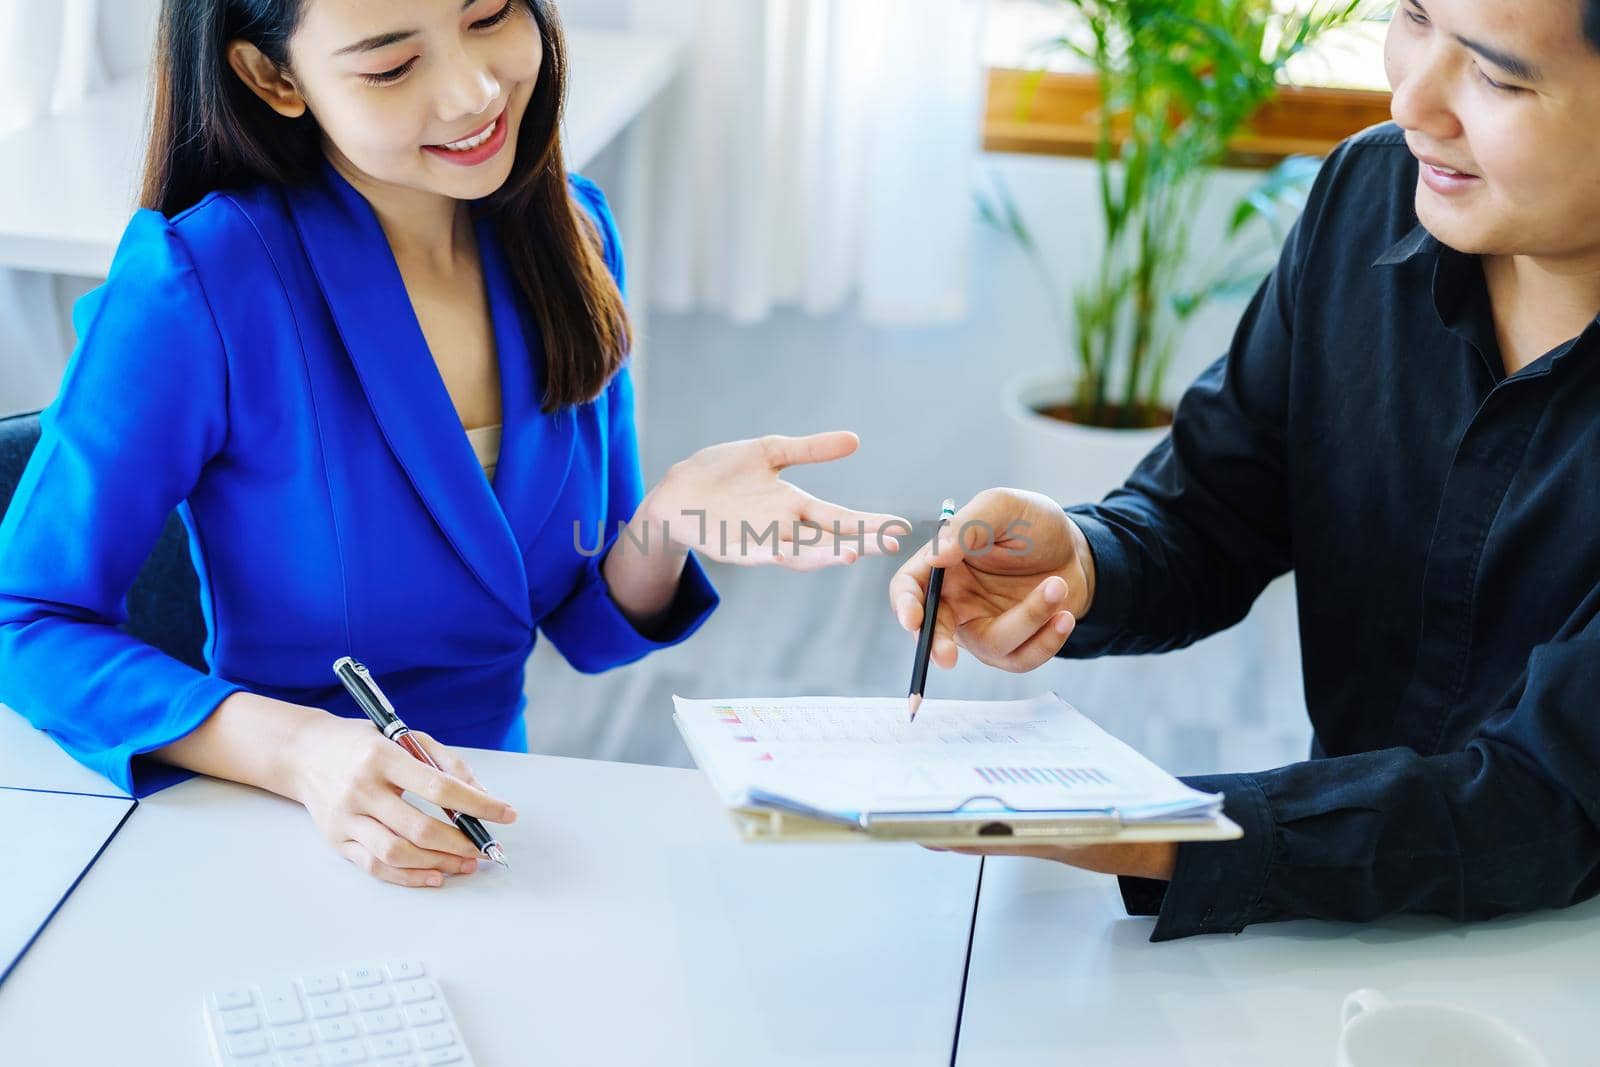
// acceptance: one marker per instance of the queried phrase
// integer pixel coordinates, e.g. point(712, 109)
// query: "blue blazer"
point(256, 363)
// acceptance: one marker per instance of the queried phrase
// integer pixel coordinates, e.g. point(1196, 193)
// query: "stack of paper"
point(1036, 768)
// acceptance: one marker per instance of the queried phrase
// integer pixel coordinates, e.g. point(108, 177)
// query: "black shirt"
point(1443, 523)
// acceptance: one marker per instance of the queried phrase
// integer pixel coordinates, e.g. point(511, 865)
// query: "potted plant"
point(1177, 80)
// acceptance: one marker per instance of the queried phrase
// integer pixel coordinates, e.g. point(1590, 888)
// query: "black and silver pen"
point(361, 686)
point(930, 617)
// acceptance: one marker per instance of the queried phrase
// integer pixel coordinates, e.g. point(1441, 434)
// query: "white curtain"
point(49, 62)
point(819, 150)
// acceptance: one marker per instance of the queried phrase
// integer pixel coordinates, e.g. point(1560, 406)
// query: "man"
point(1409, 418)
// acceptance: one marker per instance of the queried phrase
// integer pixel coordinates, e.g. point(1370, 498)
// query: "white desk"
point(69, 182)
point(634, 928)
point(1059, 974)
point(47, 841)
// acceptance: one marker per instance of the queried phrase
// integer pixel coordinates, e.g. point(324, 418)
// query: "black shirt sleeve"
point(1511, 823)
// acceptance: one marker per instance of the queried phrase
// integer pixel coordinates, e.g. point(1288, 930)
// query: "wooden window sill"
point(1054, 114)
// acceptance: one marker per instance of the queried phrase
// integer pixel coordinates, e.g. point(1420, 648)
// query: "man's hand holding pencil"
point(1018, 576)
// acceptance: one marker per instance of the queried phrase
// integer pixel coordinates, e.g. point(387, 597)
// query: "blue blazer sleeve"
point(588, 628)
point(142, 408)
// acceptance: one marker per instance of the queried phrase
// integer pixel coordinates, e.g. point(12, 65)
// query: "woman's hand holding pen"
point(1018, 576)
point(350, 777)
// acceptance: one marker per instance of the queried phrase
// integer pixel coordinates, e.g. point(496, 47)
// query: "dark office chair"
point(164, 603)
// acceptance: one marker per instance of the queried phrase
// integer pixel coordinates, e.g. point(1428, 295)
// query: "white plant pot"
point(1069, 463)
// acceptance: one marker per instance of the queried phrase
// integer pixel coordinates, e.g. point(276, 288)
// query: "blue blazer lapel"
point(361, 282)
point(536, 449)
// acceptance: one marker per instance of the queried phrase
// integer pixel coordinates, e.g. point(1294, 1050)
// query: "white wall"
point(927, 402)
point(127, 35)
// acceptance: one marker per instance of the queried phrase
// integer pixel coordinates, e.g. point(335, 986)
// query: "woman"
point(361, 262)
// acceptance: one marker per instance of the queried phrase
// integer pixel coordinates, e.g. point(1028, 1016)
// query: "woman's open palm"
point(728, 503)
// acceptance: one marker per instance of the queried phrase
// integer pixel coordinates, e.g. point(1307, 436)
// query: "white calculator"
point(393, 1015)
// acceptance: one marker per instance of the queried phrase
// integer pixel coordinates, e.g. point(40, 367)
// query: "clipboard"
point(760, 815)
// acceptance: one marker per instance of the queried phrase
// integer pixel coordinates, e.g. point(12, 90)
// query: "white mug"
point(1379, 1032)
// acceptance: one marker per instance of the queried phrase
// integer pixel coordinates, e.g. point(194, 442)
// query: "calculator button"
point(326, 1007)
point(403, 1061)
point(297, 1036)
point(411, 992)
point(239, 1020)
point(318, 985)
point(247, 1045)
point(422, 1014)
point(389, 1045)
point(443, 1055)
point(360, 977)
point(344, 1052)
point(368, 999)
point(434, 1037)
point(406, 969)
point(380, 1022)
point(281, 1003)
point(336, 1029)
point(229, 999)
point(304, 1058)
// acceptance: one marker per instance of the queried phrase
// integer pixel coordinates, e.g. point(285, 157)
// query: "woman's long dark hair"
point(209, 131)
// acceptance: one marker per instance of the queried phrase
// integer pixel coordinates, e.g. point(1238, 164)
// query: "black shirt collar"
point(1461, 299)
point(1460, 294)
point(1419, 242)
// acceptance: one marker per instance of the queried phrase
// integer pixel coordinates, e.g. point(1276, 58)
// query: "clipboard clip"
point(1004, 822)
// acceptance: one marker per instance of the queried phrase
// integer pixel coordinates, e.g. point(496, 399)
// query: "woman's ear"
point(264, 78)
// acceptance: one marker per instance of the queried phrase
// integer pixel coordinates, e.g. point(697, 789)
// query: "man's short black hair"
point(1591, 23)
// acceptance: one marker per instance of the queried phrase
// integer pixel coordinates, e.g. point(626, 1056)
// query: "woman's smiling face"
point(421, 94)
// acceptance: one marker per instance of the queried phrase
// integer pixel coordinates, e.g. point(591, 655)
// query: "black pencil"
point(930, 618)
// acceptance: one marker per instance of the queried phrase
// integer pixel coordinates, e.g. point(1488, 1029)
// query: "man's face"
point(1500, 101)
